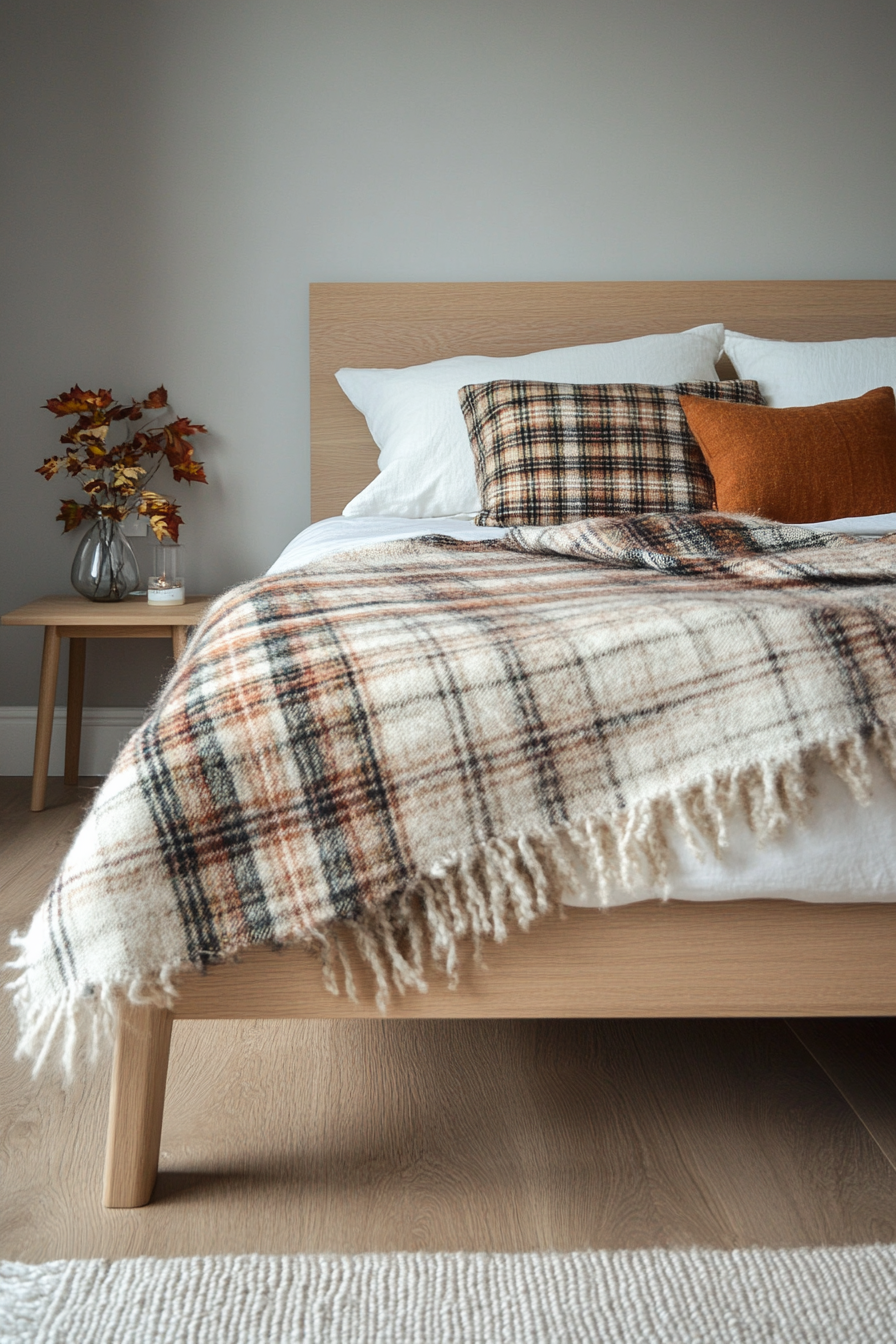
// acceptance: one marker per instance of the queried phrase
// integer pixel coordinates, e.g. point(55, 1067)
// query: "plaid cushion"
point(551, 452)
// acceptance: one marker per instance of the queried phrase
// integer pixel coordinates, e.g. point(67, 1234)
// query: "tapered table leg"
point(46, 701)
point(136, 1105)
point(179, 636)
point(77, 651)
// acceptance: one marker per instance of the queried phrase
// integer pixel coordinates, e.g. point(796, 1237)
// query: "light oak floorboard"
point(861, 1061)
point(364, 1135)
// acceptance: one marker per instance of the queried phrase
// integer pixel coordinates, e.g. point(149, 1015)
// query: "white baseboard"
point(102, 732)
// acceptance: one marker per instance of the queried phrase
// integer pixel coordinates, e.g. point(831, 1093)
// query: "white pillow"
point(806, 373)
point(426, 463)
point(872, 525)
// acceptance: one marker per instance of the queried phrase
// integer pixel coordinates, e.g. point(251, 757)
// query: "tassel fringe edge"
point(476, 894)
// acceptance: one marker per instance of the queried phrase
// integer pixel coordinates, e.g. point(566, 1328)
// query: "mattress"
point(846, 852)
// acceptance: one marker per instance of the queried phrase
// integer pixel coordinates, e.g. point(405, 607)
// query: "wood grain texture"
point(368, 1135)
point(77, 619)
point(136, 1105)
point(395, 325)
point(76, 612)
point(681, 958)
point(46, 700)
point(115, 631)
point(506, 1135)
point(74, 708)
point(860, 1059)
point(32, 845)
point(179, 635)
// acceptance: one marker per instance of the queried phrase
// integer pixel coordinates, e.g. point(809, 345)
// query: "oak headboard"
point(393, 325)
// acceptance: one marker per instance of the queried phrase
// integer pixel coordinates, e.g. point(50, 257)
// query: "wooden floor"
point(349, 1136)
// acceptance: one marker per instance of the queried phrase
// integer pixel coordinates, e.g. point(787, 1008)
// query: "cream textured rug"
point(827, 1296)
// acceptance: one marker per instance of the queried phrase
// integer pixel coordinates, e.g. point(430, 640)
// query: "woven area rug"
point(842, 1295)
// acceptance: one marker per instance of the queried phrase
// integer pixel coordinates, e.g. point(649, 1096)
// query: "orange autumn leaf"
point(188, 470)
point(77, 400)
point(148, 443)
point(94, 443)
point(109, 472)
point(165, 526)
point(179, 451)
point(71, 513)
point(132, 412)
point(162, 515)
point(182, 426)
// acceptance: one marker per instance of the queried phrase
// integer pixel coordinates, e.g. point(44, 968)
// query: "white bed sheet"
point(846, 852)
point(332, 535)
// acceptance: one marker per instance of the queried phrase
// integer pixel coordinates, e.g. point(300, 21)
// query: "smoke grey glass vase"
point(105, 567)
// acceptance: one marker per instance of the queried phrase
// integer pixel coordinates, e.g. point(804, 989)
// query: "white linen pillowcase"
point(807, 373)
point(414, 416)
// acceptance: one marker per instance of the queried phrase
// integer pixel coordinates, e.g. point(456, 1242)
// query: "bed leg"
point(136, 1105)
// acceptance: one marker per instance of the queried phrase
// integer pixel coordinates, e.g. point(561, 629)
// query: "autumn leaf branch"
point(112, 475)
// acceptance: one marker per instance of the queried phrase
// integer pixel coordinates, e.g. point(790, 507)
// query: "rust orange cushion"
point(800, 464)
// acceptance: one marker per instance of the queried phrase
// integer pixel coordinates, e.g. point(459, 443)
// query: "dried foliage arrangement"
point(114, 476)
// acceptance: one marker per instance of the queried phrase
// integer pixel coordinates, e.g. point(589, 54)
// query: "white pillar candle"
point(169, 597)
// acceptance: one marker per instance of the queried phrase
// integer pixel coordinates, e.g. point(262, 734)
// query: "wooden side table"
point(76, 619)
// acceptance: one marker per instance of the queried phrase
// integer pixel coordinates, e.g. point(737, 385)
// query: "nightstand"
point(75, 618)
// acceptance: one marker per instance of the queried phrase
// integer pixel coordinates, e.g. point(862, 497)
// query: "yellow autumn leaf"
point(159, 526)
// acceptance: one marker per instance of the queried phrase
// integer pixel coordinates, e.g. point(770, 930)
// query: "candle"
point(166, 585)
point(168, 594)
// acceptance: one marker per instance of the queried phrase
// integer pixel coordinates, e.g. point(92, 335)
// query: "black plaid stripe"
point(550, 452)
point(335, 732)
point(713, 544)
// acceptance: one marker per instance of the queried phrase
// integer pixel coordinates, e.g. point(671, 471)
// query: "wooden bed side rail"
point(681, 959)
point(678, 959)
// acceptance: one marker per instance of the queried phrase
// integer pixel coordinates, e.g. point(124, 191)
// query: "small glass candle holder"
point(166, 583)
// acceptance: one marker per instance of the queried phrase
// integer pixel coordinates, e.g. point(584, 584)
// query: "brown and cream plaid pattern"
point(551, 452)
point(423, 740)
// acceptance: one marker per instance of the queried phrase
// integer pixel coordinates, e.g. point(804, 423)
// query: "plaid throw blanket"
point(427, 740)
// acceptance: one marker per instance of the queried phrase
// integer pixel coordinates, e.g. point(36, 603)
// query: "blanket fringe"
point(85, 1016)
point(478, 891)
point(475, 894)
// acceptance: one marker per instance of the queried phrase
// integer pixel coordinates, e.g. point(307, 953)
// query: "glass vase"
point(105, 568)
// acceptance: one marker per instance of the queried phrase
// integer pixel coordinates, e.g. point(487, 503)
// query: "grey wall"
point(177, 171)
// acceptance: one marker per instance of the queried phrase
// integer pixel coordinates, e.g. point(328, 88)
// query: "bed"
point(726, 957)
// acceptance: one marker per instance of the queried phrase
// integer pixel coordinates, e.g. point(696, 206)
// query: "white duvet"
point(845, 853)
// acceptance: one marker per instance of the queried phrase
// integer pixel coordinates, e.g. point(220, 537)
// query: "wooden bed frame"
point(681, 959)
